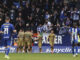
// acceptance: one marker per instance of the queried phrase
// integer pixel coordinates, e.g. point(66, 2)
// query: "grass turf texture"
point(37, 56)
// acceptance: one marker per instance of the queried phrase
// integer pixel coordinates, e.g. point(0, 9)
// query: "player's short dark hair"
point(7, 18)
point(22, 29)
point(28, 29)
point(51, 30)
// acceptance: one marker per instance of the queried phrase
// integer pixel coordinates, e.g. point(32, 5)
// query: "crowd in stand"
point(40, 15)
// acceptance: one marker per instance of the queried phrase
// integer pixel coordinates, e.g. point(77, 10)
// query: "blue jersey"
point(7, 30)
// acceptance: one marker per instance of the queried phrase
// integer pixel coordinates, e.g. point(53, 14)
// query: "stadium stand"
point(40, 15)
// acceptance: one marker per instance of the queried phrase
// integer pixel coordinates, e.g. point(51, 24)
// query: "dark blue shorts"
point(75, 41)
point(7, 42)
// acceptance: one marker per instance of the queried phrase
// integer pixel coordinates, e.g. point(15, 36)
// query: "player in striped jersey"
point(74, 39)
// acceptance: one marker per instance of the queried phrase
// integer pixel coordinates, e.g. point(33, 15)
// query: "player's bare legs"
point(51, 49)
point(40, 50)
point(22, 47)
point(7, 49)
point(18, 48)
point(23, 50)
point(29, 48)
point(52, 45)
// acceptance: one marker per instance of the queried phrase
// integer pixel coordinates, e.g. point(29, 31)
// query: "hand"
point(1, 32)
point(14, 31)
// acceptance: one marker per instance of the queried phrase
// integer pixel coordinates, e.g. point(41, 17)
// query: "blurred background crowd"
point(41, 15)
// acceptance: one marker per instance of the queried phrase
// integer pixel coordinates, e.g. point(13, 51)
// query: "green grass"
point(37, 56)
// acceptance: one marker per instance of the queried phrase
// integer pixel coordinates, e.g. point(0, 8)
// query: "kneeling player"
point(51, 38)
point(20, 41)
point(28, 41)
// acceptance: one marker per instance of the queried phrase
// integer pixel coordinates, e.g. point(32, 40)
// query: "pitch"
point(38, 56)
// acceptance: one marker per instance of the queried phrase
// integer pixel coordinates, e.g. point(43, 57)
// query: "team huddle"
point(25, 40)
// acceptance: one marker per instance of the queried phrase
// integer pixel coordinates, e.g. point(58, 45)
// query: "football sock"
point(72, 50)
point(76, 47)
point(40, 49)
point(7, 51)
point(52, 49)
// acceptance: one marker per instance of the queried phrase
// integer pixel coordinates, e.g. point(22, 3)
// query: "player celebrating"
point(74, 36)
point(28, 40)
point(51, 38)
point(20, 41)
point(39, 38)
point(7, 29)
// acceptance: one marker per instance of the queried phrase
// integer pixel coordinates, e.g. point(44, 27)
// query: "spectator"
point(63, 16)
point(19, 24)
point(68, 22)
point(56, 28)
point(13, 14)
point(40, 28)
point(46, 5)
point(45, 27)
point(34, 12)
point(30, 20)
point(1, 22)
point(54, 18)
point(47, 15)
point(33, 28)
point(75, 15)
point(26, 11)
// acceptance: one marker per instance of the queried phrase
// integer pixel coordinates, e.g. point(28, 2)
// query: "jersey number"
point(5, 30)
